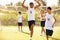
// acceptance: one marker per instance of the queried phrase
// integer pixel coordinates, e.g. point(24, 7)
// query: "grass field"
point(11, 33)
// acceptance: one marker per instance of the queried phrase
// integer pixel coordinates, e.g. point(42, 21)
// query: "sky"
point(52, 2)
point(48, 2)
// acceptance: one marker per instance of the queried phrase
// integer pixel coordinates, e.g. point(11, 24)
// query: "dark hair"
point(19, 12)
point(31, 3)
point(49, 8)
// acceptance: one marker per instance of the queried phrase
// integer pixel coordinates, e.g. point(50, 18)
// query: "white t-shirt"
point(31, 14)
point(41, 17)
point(49, 21)
point(19, 18)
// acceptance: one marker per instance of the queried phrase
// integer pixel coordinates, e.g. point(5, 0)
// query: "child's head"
point(31, 4)
point(41, 11)
point(49, 9)
point(19, 12)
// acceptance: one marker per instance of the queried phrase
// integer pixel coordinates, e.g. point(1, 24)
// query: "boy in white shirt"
point(49, 24)
point(19, 21)
point(31, 15)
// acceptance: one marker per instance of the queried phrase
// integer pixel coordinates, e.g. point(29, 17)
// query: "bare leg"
point(21, 27)
point(18, 28)
point(42, 30)
point(47, 37)
point(31, 33)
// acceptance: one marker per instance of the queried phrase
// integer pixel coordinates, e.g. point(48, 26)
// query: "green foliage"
point(18, 3)
point(11, 18)
point(59, 3)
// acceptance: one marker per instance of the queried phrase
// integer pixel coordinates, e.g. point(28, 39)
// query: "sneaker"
point(18, 30)
point(41, 34)
point(21, 30)
point(45, 33)
point(30, 38)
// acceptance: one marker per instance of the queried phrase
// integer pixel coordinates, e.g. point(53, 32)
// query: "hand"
point(24, 0)
point(36, 0)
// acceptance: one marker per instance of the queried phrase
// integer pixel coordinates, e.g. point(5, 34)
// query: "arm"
point(24, 5)
point(54, 21)
point(37, 5)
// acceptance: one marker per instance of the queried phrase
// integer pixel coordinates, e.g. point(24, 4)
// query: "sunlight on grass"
point(11, 33)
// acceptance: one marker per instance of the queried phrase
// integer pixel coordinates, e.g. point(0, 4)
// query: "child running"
point(31, 15)
point(42, 18)
point(19, 21)
point(49, 23)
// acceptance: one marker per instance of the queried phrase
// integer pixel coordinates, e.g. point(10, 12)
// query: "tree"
point(43, 2)
point(18, 4)
point(59, 3)
point(11, 4)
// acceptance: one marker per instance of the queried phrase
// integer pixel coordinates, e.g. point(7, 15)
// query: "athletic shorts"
point(49, 32)
point(42, 23)
point(30, 23)
point(19, 24)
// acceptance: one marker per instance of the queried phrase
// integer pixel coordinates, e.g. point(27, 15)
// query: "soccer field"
point(11, 33)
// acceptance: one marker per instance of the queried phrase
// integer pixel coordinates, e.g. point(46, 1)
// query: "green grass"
point(11, 33)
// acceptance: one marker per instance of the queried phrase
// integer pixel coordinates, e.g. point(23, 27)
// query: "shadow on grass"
point(26, 33)
point(55, 38)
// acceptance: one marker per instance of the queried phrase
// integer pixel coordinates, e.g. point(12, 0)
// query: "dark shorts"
point(49, 32)
point(19, 24)
point(30, 23)
point(42, 23)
